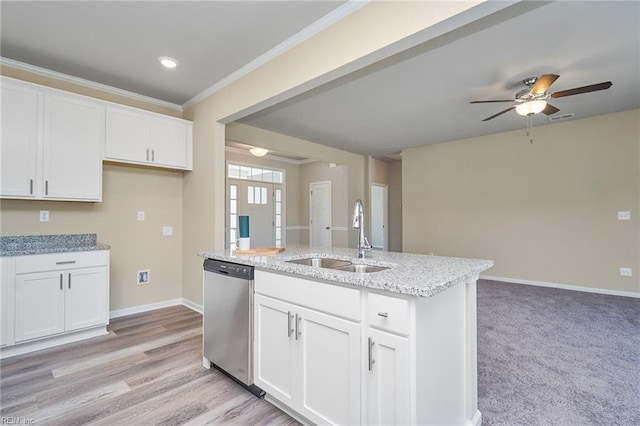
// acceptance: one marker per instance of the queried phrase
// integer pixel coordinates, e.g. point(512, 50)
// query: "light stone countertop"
point(410, 274)
point(23, 245)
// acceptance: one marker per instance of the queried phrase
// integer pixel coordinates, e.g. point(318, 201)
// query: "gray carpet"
point(557, 357)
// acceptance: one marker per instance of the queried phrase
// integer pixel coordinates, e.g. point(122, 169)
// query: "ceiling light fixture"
point(168, 62)
point(258, 152)
point(531, 107)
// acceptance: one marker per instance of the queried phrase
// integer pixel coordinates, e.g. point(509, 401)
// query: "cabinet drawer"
point(389, 313)
point(58, 261)
point(323, 297)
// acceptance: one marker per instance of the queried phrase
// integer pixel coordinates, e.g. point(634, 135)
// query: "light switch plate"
point(625, 272)
point(44, 215)
point(167, 231)
point(141, 216)
point(624, 215)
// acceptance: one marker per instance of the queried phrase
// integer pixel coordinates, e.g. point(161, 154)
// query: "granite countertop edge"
point(25, 245)
point(408, 274)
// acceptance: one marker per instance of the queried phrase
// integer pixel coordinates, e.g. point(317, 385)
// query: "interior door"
point(320, 214)
point(379, 216)
point(256, 201)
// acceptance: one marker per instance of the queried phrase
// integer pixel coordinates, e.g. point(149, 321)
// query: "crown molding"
point(87, 83)
point(326, 21)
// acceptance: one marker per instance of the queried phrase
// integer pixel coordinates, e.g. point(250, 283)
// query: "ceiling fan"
point(533, 100)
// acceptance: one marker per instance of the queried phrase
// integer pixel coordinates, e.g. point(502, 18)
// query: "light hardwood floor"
point(147, 371)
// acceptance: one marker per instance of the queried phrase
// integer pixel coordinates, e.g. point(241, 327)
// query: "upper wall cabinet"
point(140, 137)
point(51, 144)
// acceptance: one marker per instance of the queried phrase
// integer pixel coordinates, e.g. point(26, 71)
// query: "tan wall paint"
point(395, 206)
point(134, 245)
point(545, 211)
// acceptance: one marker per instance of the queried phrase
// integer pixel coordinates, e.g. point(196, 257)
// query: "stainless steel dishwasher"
point(228, 321)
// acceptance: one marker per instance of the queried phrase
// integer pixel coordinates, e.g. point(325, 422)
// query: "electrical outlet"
point(143, 277)
point(624, 215)
point(625, 272)
point(140, 216)
point(44, 215)
point(167, 231)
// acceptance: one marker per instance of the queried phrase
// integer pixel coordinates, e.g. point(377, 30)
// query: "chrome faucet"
point(358, 223)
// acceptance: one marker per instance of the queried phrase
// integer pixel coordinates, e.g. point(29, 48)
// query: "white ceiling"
point(417, 97)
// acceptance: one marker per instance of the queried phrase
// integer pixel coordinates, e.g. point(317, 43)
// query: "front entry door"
point(256, 201)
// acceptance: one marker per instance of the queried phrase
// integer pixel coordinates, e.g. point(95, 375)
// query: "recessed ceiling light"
point(168, 62)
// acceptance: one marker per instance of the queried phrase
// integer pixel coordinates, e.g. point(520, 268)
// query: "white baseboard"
point(153, 306)
point(563, 286)
point(49, 342)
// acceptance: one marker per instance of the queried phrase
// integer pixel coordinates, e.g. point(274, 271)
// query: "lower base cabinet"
point(335, 354)
point(53, 295)
point(308, 360)
point(388, 381)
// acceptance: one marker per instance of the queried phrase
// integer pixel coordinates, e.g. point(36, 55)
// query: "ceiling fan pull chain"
point(530, 128)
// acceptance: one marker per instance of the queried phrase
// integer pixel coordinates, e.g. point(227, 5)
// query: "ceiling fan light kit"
point(531, 107)
point(533, 100)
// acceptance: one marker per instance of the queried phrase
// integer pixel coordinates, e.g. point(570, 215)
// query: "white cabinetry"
point(53, 295)
point(140, 137)
point(309, 359)
point(388, 374)
point(51, 143)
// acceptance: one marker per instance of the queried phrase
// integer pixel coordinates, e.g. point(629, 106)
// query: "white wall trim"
point(87, 83)
point(153, 306)
point(326, 21)
point(563, 286)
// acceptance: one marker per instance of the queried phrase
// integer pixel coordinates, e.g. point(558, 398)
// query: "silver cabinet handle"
point(289, 329)
point(153, 155)
point(371, 360)
point(383, 314)
point(31, 186)
point(298, 333)
point(46, 187)
point(147, 154)
point(66, 262)
point(60, 281)
point(69, 279)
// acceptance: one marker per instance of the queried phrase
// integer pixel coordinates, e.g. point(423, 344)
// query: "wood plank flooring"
point(147, 371)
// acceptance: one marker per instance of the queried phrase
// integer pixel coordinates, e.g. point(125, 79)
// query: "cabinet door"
point(168, 143)
point(19, 140)
point(39, 305)
point(127, 137)
point(273, 347)
point(388, 382)
point(328, 368)
point(73, 137)
point(85, 298)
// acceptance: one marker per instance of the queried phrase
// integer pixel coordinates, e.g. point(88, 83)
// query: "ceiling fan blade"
point(543, 83)
point(500, 113)
point(550, 109)
point(583, 89)
point(489, 102)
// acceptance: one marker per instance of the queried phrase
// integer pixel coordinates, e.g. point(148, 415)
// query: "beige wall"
point(545, 211)
point(395, 206)
point(134, 245)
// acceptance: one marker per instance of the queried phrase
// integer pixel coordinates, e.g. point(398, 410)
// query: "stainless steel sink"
point(362, 269)
point(321, 262)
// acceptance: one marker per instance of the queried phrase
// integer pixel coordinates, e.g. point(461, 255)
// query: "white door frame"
point(311, 225)
point(385, 214)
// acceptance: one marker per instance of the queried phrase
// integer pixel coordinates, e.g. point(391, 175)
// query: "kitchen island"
point(394, 346)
